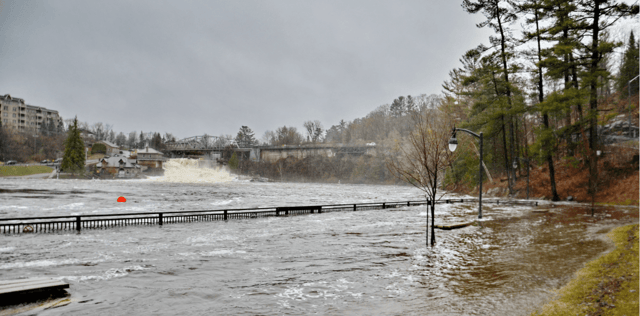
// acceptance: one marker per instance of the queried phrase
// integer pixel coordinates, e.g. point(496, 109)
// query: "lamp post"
point(515, 166)
point(629, 96)
point(453, 144)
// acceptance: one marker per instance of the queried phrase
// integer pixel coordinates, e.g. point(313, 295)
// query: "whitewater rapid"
point(193, 171)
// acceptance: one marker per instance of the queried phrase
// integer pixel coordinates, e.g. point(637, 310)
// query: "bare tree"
point(314, 130)
point(422, 159)
point(99, 130)
point(269, 138)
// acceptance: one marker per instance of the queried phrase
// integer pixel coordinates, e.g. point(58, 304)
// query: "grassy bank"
point(605, 286)
point(7, 171)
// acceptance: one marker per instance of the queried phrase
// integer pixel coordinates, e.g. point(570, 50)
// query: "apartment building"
point(16, 114)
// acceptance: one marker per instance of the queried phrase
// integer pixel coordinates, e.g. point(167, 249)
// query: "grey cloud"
point(199, 67)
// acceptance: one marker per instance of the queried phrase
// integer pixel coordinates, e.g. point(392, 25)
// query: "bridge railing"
point(18, 225)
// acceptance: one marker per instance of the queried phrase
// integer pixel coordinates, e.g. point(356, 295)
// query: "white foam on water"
point(38, 263)
point(12, 207)
point(7, 249)
point(222, 252)
point(225, 202)
point(208, 239)
point(109, 274)
point(192, 171)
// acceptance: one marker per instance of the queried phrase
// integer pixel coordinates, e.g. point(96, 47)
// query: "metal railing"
point(101, 221)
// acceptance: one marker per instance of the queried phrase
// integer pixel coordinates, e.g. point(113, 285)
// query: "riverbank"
point(18, 171)
point(617, 184)
point(607, 285)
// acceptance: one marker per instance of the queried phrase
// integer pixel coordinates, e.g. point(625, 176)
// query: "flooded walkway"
point(368, 262)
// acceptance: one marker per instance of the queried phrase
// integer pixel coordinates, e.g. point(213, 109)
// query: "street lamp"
point(453, 144)
point(515, 166)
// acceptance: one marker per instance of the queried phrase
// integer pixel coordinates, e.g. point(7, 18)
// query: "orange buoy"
point(122, 199)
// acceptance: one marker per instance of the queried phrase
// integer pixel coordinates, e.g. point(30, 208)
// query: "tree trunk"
point(552, 173)
point(433, 231)
point(593, 99)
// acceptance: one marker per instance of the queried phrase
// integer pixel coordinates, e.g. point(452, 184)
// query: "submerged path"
point(19, 225)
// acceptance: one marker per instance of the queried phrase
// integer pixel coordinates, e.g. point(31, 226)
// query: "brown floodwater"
point(366, 262)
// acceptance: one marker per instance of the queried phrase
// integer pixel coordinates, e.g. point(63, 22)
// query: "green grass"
point(607, 285)
point(6, 171)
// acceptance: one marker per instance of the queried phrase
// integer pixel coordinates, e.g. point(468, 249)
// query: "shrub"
point(99, 148)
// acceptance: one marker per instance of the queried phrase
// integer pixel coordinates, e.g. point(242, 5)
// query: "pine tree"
point(142, 141)
point(546, 142)
point(73, 159)
point(628, 69)
point(499, 14)
point(233, 161)
point(245, 137)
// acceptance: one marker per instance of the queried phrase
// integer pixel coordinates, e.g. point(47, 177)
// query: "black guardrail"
point(19, 225)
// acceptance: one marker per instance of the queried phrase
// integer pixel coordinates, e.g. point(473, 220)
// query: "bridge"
point(214, 146)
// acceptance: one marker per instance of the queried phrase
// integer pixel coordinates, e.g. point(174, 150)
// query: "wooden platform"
point(25, 286)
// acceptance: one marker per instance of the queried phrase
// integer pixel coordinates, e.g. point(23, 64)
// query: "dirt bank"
point(617, 181)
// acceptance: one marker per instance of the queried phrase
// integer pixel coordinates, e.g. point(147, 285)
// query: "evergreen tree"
point(545, 142)
point(245, 137)
point(142, 141)
point(73, 159)
point(398, 107)
point(233, 161)
point(629, 69)
point(498, 14)
point(596, 16)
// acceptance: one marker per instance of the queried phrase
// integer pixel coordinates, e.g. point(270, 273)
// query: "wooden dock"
point(26, 287)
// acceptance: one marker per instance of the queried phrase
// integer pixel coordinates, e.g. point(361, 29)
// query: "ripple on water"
point(364, 262)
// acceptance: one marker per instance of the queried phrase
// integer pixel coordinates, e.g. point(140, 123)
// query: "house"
point(149, 157)
point(112, 148)
point(119, 167)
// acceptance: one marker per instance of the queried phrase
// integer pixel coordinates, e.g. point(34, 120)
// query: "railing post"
point(277, 212)
point(408, 203)
point(160, 219)
point(78, 223)
point(354, 207)
point(384, 205)
point(225, 215)
point(319, 209)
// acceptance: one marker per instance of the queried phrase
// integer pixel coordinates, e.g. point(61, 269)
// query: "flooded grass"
point(607, 285)
point(12, 171)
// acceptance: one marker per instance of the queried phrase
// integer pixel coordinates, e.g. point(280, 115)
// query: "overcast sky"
point(195, 67)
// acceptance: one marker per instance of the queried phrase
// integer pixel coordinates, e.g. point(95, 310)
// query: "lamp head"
point(453, 142)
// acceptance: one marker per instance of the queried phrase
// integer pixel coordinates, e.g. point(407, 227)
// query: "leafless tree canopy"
point(423, 157)
point(314, 131)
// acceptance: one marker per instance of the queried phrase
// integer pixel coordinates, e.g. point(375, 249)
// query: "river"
point(366, 262)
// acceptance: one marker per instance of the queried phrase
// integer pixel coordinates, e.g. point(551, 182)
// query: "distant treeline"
point(346, 169)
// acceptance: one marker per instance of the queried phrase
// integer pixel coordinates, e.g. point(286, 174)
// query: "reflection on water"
point(366, 262)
